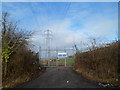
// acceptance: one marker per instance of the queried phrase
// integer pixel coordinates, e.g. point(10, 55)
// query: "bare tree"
point(12, 39)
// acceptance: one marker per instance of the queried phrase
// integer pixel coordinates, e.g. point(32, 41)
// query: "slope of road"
point(60, 77)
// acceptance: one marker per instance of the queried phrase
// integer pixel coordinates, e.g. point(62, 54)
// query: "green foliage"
point(6, 52)
point(17, 60)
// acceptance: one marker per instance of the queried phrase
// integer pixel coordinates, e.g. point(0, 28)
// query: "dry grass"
point(100, 64)
point(14, 82)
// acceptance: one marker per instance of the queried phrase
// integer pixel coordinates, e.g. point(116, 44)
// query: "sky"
point(60, 0)
point(70, 22)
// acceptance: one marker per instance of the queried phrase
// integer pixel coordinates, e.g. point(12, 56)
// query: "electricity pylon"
point(48, 35)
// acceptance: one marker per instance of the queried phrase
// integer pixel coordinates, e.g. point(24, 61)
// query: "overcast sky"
point(69, 22)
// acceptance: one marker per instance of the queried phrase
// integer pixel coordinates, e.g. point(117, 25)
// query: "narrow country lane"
point(60, 77)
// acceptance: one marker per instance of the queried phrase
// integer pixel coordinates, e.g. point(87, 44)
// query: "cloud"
point(81, 21)
point(63, 37)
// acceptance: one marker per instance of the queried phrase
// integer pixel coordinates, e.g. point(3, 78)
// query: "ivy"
point(6, 53)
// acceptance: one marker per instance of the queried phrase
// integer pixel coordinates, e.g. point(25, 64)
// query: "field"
point(60, 62)
point(69, 61)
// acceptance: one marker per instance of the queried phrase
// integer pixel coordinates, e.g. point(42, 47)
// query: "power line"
point(33, 13)
point(67, 8)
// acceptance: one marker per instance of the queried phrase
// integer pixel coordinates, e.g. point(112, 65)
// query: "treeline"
point(99, 63)
point(18, 62)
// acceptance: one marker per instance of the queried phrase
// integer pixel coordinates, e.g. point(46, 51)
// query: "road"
point(60, 77)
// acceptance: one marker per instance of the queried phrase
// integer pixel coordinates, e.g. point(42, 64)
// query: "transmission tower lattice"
point(48, 36)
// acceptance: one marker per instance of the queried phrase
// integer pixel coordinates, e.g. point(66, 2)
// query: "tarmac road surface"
point(60, 77)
